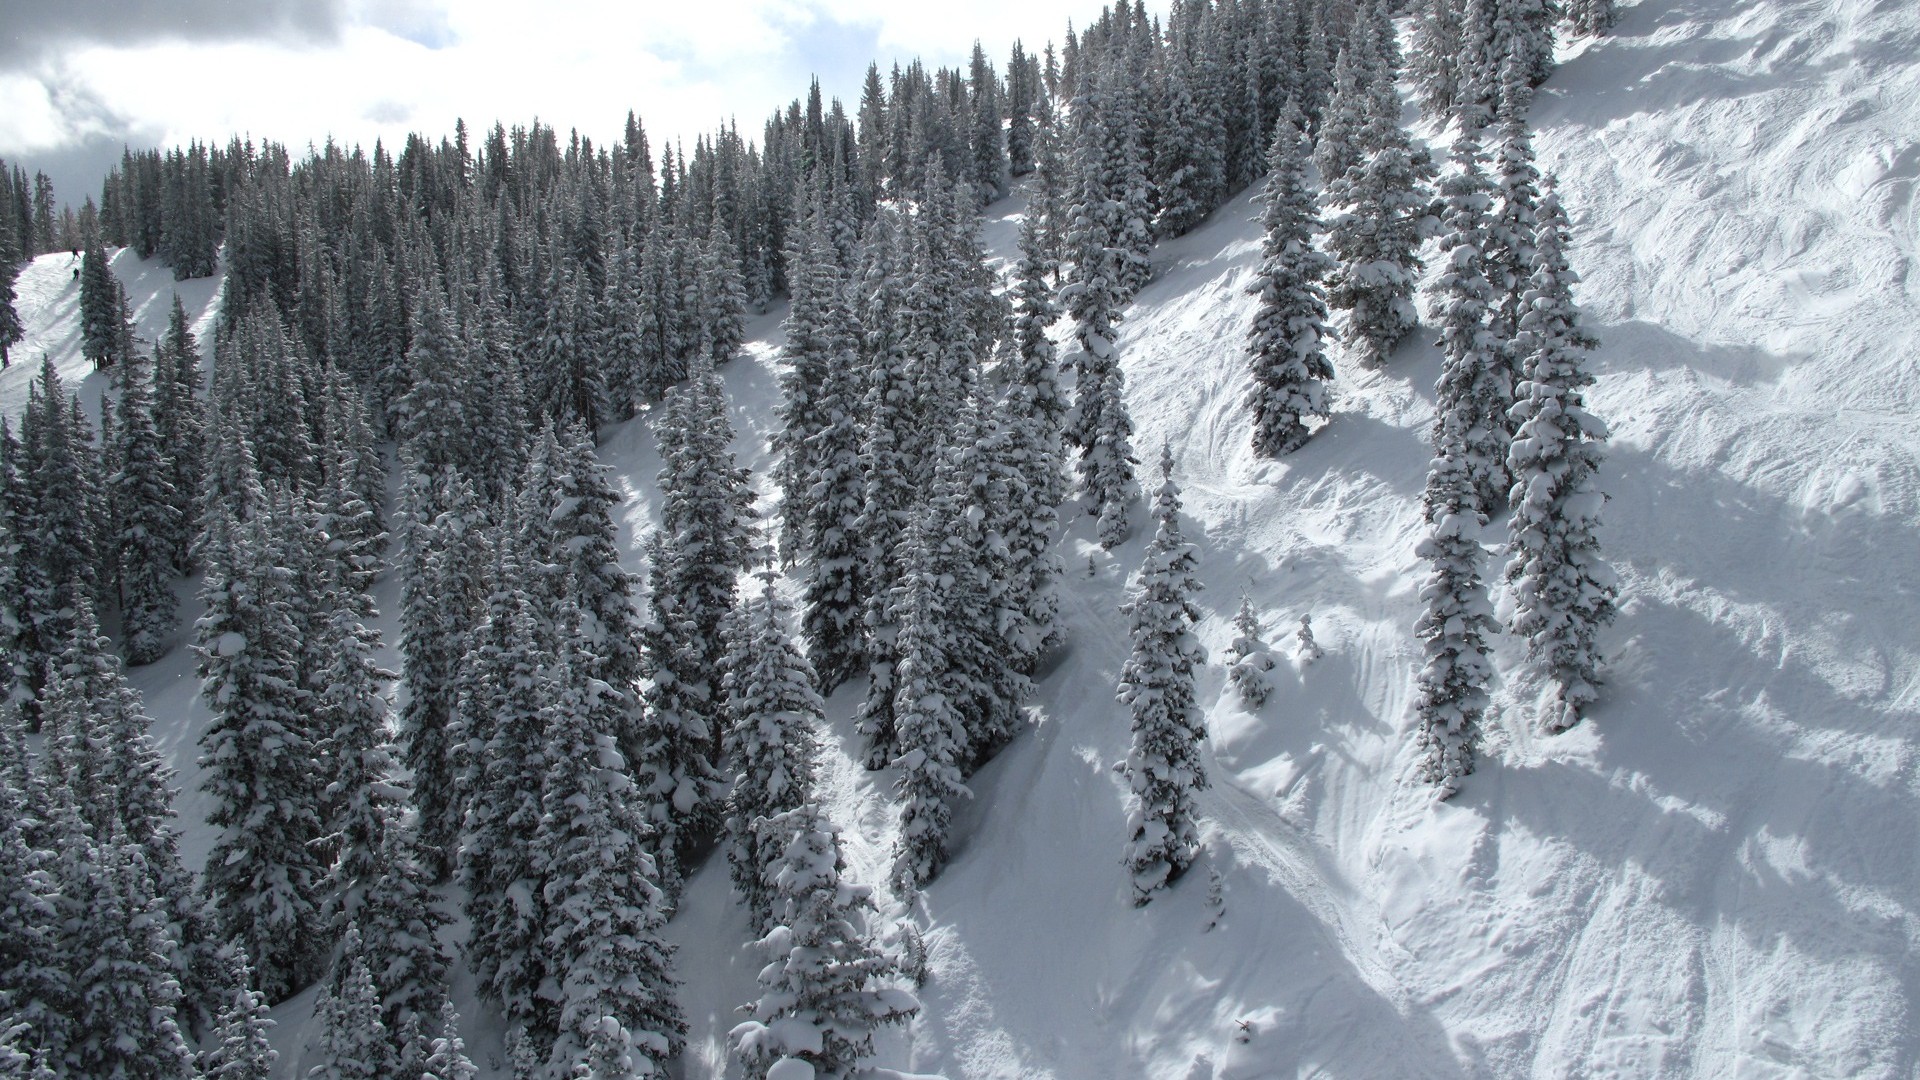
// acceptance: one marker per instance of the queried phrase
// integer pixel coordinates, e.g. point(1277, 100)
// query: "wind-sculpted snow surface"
point(1716, 874)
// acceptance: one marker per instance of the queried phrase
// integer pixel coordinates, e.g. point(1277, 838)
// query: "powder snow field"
point(1715, 876)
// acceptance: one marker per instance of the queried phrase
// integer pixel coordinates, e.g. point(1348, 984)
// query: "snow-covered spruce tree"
point(37, 982)
point(353, 1044)
point(239, 1047)
point(1099, 424)
point(1510, 230)
point(1435, 57)
point(725, 294)
point(704, 542)
point(888, 477)
point(578, 524)
point(145, 518)
point(99, 306)
point(1562, 591)
point(11, 259)
point(1591, 18)
point(400, 926)
point(132, 792)
point(930, 728)
point(1473, 394)
point(1106, 464)
point(1455, 617)
point(262, 874)
point(611, 980)
point(505, 690)
point(820, 997)
point(835, 586)
point(1163, 767)
point(128, 996)
point(1249, 658)
point(63, 852)
point(1035, 416)
point(1290, 365)
point(812, 280)
point(179, 418)
point(1336, 147)
point(355, 485)
point(442, 566)
point(1186, 169)
point(1378, 217)
point(771, 741)
point(448, 1057)
point(979, 497)
point(55, 505)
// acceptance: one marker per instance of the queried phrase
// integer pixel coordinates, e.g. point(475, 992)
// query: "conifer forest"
point(1255, 538)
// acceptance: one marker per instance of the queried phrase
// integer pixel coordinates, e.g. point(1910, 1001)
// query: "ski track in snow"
point(1714, 877)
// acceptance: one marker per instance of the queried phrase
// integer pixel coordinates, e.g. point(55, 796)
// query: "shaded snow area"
point(1715, 875)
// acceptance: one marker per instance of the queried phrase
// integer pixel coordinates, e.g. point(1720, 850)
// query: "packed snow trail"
point(1714, 876)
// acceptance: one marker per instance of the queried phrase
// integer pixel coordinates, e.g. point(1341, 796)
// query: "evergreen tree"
point(888, 473)
point(704, 542)
point(262, 874)
point(1435, 59)
point(129, 792)
point(1454, 622)
point(438, 599)
point(11, 259)
point(1380, 217)
point(725, 295)
point(1249, 658)
point(834, 580)
point(180, 423)
point(819, 999)
point(145, 514)
point(100, 323)
point(810, 355)
point(1591, 18)
point(355, 485)
point(353, 1043)
point(1100, 424)
point(127, 993)
point(56, 516)
point(1035, 416)
point(1163, 768)
point(1290, 365)
point(506, 691)
point(401, 926)
point(931, 731)
point(1337, 148)
point(239, 1048)
point(1184, 174)
point(578, 524)
point(1509, 250)
point(775, 712)
point(448, 1059)
point(1473, 393)
point(1563, 592)
point(36, 980)
point(1106, 462)
point(611, 977)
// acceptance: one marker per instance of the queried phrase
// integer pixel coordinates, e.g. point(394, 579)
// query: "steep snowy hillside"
point(1717, 875)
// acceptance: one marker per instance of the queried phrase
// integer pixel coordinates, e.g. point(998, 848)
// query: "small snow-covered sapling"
point(1249, 659)
point(1309, 650)
point(1216, 897)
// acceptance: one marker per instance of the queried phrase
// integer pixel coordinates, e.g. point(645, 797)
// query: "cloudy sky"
point(80, 77)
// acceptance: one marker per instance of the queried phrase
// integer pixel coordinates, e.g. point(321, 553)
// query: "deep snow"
point(1714, 876)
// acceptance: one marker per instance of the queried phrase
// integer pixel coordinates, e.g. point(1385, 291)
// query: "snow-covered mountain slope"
point(1715, 876)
